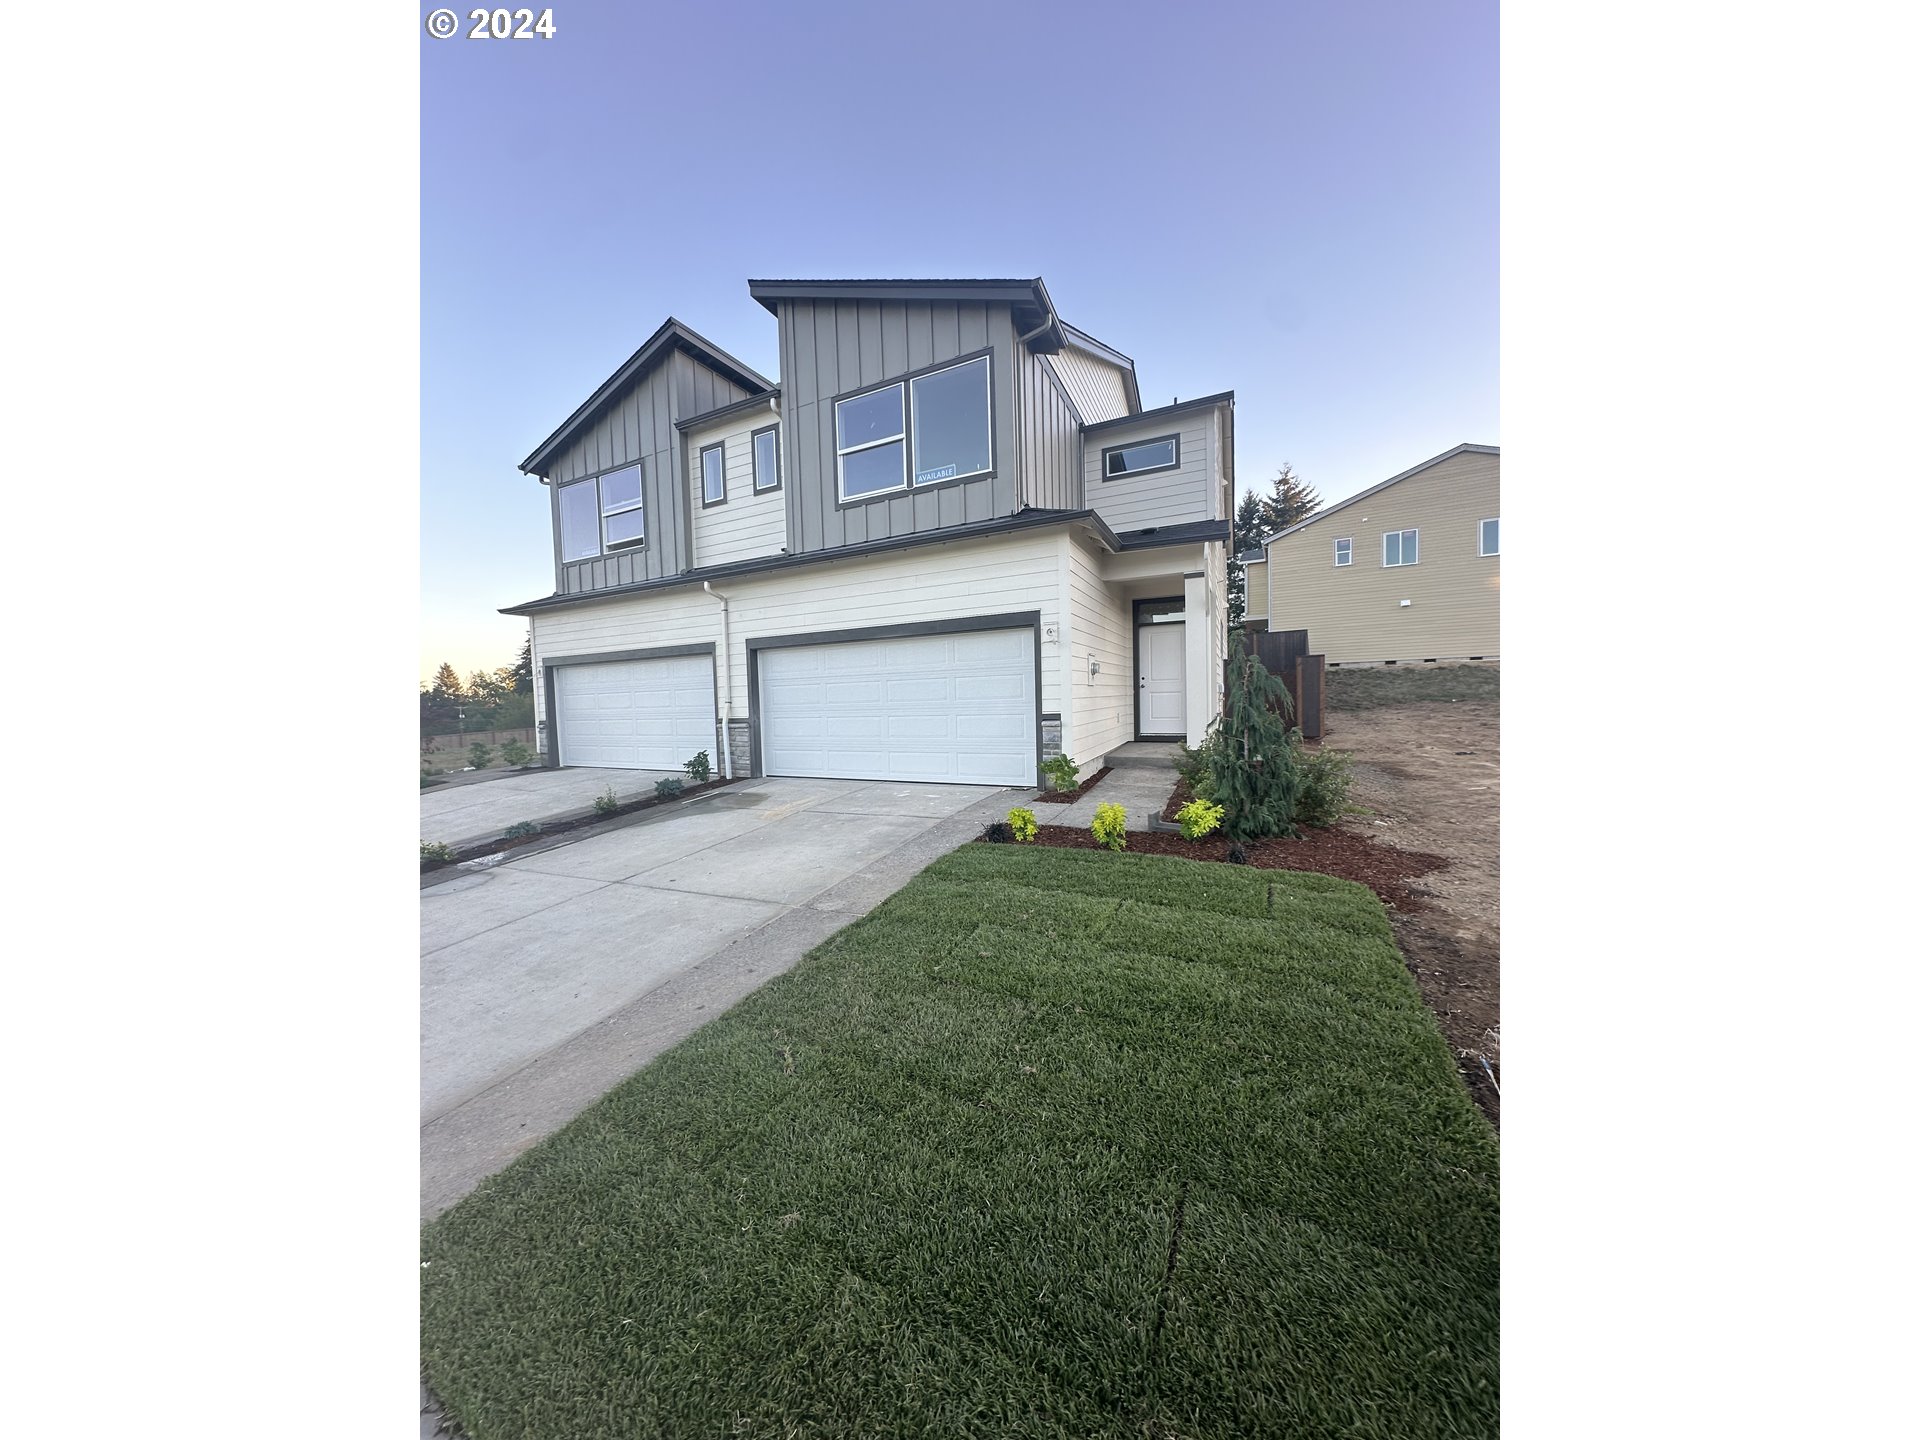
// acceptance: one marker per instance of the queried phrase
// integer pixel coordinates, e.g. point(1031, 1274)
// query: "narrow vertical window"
point(766, 459)
point(623, 520)
point(1343, 552)
point(713, 474)
point(1490, 536)
point(579, 521)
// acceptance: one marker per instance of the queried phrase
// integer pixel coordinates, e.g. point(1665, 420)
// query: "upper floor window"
point(1343, 552)
point(1141, 458)
point(949, 412)
point(602, 514)
point(713, 474)
point(766, 459)
point(1490, 536)
point(1400, 547)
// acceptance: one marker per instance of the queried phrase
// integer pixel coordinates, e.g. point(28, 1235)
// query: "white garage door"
point(955, 708)
point(635, 714)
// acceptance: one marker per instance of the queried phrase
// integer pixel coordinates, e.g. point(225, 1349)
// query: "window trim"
point(1107, 474)
point(705, 450)
point(1346, 540)
point(753, 454)
point(905, 438)
point(1494, 553)
point(1403, 563)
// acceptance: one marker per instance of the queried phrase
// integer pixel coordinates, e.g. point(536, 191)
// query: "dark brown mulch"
point(1381, 868)
point(1067, 797)
point(561, 827)
point(1182, 793)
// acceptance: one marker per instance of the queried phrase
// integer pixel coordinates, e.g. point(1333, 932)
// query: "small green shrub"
point(1110, 825)
point(699, 769)
point(1060, 772)
point(605, 803)
point(1198, 818)
point(479, 756)
point(1325, 778)
point(515, 753)
point(435, 850)
point(1023, 823)
point(1199, 765)
point(520, 829)
point(668, 788)
point(998, 833)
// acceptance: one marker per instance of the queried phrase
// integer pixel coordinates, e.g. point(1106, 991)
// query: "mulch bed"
point(1067, 797)
point(1381, 868)
point(561, 827)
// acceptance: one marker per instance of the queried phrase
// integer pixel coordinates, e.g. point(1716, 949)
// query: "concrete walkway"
point(546, 981)
point(462, 814)
point(1143, 790)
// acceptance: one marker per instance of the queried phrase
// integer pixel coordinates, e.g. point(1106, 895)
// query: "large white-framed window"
point(713, 474)
point(1400, 547)
point(766, 459)
point(1490, 536)
point(870, 432)
point(925, 429)
point(623, 517)
point(604, 513)
point(1343, 551)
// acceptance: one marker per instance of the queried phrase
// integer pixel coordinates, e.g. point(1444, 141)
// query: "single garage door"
point(956, 708)
point(635, 714)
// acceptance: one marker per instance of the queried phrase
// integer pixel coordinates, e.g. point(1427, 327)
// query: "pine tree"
point(1257, 774)
point(523, 668)
point(446, 682)
point(1291, 501)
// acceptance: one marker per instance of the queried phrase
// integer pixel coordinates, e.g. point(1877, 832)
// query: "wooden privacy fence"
point(1284, 653)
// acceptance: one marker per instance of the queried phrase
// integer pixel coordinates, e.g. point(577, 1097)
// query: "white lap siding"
point(930, 582)
point(1099, 627)
point(748, 525)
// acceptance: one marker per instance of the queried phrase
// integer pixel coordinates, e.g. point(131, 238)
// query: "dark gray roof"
point(1466, 449)
point(1031, 304)
point(1225, 397)
point(720, 412)
point(671, 336)
point(1026, 520)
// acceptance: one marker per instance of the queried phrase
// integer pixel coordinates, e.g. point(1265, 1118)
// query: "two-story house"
point(946, 543)
point(1407, 571)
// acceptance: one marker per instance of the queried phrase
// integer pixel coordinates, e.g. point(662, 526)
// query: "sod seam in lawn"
point(929, 1182)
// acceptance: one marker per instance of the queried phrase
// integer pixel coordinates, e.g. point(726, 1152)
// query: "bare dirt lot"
point(1426, 751)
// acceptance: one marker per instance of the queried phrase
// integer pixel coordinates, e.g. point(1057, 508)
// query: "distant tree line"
point(487, 700)
point(1260, 518)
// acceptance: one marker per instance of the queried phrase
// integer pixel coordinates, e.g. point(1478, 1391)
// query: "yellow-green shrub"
point(1198, 818)
point(1025, 825)
point(1110, 825)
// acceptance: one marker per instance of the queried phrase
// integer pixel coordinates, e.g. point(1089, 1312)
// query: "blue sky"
point(1296, 202)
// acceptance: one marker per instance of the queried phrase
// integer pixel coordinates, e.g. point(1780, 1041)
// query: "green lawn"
point(1370, 689)
point(1053, 1143)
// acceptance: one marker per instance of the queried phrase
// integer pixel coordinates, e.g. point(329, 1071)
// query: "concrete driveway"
point(455, 814)
point(546, 980)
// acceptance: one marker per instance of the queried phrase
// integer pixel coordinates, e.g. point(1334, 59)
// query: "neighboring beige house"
point(1406, 571)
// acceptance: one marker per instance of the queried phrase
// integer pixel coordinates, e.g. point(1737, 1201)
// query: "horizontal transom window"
point(1400, 547)
point(1142, 457)
point(924, 430)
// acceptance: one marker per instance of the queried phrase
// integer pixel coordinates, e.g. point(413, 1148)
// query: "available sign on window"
point(945, 472)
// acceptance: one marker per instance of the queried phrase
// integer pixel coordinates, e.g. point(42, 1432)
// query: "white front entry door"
point(1162, 650)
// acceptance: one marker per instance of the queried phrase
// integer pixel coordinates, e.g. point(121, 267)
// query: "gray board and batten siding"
point(639, 426)
point(832, 348)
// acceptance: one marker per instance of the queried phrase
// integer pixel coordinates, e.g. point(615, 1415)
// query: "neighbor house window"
point(924, 430)
point(1400, 547)
point(1141, 458)
point(871, 432)
point(713, 474)
point(1490, 536)
point(622, 520)
point(1343, 552)
point(952, 423)
point(766, 459)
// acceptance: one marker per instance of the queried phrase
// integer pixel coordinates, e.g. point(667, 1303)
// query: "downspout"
point(726, 683)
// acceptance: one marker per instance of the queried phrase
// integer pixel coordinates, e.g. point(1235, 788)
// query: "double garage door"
point(635, 714)
point(957, 708)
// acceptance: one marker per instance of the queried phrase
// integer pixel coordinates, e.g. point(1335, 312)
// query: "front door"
point(1162, 649)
